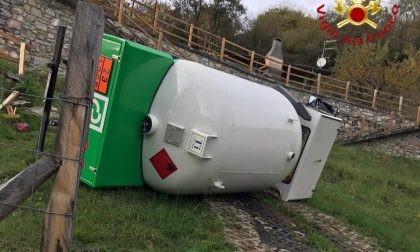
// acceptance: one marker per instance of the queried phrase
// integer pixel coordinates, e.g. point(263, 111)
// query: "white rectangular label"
point(99, 110)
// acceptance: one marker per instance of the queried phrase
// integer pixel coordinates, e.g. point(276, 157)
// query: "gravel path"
point(252, 226)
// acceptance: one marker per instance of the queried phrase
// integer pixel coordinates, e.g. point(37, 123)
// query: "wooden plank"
point(22, 58)
point(222, 49)
point(190, 35)
point(74, 124)
point(19, 188)
point(375, 94)
point(318, 84)
point(9, 99)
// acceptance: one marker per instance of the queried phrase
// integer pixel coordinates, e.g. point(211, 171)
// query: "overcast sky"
point(255, 7)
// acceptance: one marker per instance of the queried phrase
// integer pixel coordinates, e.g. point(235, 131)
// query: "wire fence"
point(18, 151)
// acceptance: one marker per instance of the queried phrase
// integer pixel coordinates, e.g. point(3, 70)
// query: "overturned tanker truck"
point(184, 128)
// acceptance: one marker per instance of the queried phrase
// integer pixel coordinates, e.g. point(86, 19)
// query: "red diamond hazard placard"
point(163, 164)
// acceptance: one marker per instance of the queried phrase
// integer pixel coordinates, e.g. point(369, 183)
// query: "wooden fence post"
point(289, 71)
point(222, 49)
point(318, 84)
point(346, 97)
point(190, 35)
point(22, 58)
point(159, 42)
point(74, 124)
point(120, 13)
point(418, 116)
point(156, 17)
point(400, 105)
point(251, 62)
point(375, 95)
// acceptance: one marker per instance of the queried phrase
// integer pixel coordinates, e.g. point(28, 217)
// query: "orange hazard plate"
point(163, 164)
point(102, 75)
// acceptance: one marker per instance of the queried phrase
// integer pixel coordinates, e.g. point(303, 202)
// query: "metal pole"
point(52, 79)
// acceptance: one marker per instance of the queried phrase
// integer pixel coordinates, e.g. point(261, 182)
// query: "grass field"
point(377, 193)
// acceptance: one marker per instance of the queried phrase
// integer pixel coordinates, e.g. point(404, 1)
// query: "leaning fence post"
point(375, 95)
point(222, 49)
point(318, 84)
point(289, 71)
point(346, 97)
point(190, 35)
point(74, 124)
point(22, 57)
point(251, 62)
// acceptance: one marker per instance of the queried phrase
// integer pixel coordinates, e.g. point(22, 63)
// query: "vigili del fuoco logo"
point(357, 13)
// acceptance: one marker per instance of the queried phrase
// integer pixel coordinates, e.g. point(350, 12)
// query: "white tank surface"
point(213, 132)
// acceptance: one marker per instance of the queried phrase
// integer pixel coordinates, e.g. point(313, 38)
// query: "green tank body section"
point(128, 78)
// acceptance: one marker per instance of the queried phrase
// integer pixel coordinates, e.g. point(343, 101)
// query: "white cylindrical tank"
point(214, 132)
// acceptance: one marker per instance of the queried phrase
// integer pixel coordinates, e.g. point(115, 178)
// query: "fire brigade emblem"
point(357, 13)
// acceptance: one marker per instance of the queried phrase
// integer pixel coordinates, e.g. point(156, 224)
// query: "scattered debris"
point(21, 127)
point(53, 123)
point(11, 113)
point(40, 110)
point(9, 99)
point(21, 103)
point(14, 77)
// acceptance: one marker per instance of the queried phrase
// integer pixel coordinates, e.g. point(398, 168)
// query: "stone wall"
point(35, 22)
point(407, 145)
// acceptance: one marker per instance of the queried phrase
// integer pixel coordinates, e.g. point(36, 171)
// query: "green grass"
point(110, 220)
point(377, 193)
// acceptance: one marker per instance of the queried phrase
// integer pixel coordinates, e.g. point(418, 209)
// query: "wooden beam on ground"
point(20, 187)
point(73, 125)
point(9, 99)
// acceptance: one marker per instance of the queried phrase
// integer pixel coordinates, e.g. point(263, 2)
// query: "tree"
point(301, 35)
point(221, 17)
point(371, 66)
